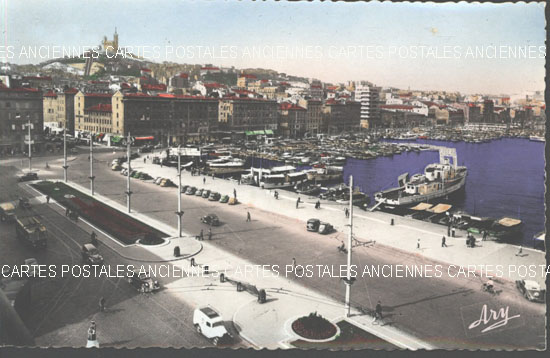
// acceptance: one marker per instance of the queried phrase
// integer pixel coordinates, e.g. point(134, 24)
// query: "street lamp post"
point(349, 280)
point(92, 177)
point(128, 191)
point(29, 125)
point(179, 213)
point(65, 166)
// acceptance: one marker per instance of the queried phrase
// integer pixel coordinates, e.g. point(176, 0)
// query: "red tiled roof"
point(71, 90)
point(209, 68)
point(159, 87)
point(125, 85)
point(284, 84)
point(333, 88)
point(50, 94)
point(315, 86)
point(183, 75)
point(213, 85)
point(19, 89)
point(96, 82)
point(290, 106)
point(246, 75)
point(100, 108)
point(166, 95)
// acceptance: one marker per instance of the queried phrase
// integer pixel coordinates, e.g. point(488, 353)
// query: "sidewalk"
point(403, 235)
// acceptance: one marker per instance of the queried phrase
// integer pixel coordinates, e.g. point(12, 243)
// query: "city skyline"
point(328, 28)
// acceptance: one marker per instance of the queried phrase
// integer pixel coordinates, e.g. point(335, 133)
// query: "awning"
point(259, 132)
point(115, 139)
point(422, 206)
point(268, 131)
point(249, 132)
point(144, 138)
point(439, 208)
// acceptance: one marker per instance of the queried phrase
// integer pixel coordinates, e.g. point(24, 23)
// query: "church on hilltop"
point(110, 45)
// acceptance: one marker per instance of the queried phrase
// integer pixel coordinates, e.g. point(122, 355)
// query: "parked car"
point(135, 174)
point(73, 151)
point(27, 177)
point(206, 193)
point(531, 290)
point(124, 171)
point(91, 255)
point(325, 228)
point(116, 167)
point(166, 183)
point(143, 282)
point(313, 225)
point(232, 201)
point(214, 196)
point(199, 192)
point(209, 323)
point(184, 188)
point(191, 190)
point(157, 180)
point(7, 211)
point(224, 199)
point(211, 219)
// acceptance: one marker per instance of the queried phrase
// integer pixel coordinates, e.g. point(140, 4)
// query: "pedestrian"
point(201, 236)
point(102, 304)
point(161, 163)
point(204, 180)
point(346, 211)
point(453, 232)
point(485, 234)
point(209, 233)
point(297, 202)
point(520, 251)
point(47, 199)
point(67, 211)
point(144, 160)
point(443, 242)
point(248, 216)
point(318, 205)
point(93, 238)
point(234, 193)
point(418, 244)
point(449, 229)
point(377, 312)
point(276, 195)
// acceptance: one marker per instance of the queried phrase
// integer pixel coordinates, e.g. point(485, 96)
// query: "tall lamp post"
point(29, 126)
point(65, 166)
point(128, 191)
point(349, 280)
point(179, 213)
point(92, 177)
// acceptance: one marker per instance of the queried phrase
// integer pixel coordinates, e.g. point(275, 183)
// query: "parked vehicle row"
point(208, 194)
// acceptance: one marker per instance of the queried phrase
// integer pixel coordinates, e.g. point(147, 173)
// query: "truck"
point(209, 323)
point(7, 211)
point(31, 232)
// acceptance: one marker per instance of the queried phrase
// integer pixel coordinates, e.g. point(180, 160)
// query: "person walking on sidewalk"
point(276, 195)
point(209, 233)
point(93, 238)
point(520, 251)
point(235, 193)
point(449, 229)
point(204, 180)
point(377, 312)
point(47, 199)
point(248, 219)
point(418, 244)
point(443, 242)
point(102, 304)
point(201, 236)
point(318, 205)
point(346, 211)
point(297, 202)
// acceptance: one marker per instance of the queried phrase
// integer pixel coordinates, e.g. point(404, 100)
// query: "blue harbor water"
point(505, 178)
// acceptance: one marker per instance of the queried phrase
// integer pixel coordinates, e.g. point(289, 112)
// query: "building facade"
point(292, 120)
point(314, 115)
point(369, 96)
point(239, 115)
point(83, 101)
point(18, 106)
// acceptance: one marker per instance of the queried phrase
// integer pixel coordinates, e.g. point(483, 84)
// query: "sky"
point(471, 48)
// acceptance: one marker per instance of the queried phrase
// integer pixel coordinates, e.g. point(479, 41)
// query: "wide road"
point(62, 308)
point(442, 311)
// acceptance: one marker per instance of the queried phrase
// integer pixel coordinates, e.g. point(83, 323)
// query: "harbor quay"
point(277, 234)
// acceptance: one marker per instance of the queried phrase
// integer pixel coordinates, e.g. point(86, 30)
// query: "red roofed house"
point(98, 119)
point(179, 81)
point(209, 69)
point(83, 101)
point(59, 110)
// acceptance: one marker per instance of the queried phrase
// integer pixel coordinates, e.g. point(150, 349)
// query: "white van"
point(209, 323)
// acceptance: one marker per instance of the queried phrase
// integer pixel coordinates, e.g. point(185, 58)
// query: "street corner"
point(172, 249)
point(270, 324)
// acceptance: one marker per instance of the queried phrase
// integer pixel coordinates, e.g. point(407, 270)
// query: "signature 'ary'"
point(496, 318)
